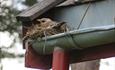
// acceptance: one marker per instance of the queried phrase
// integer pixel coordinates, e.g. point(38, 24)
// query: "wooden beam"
point(93, 53)
point(34, 60)
point(60, 59)
point(38, 9)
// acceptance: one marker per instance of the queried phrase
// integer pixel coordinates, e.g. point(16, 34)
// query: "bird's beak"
point(39, 21)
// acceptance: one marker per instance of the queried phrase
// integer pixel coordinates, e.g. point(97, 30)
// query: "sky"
point(12, 63)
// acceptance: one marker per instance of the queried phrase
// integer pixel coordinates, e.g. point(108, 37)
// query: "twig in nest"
point(45, 24)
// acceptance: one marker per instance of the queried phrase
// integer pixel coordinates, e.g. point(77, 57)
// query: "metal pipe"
point(76, 39)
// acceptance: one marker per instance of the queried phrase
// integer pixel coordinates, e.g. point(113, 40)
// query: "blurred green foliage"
point(8, 14)
point(9, 23)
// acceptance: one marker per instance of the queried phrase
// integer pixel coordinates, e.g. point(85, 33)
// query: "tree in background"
point(9, 24)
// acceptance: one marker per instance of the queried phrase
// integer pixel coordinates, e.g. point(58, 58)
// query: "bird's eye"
point(43, 21)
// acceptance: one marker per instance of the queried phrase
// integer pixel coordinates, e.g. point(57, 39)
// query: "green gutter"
point(76, 39)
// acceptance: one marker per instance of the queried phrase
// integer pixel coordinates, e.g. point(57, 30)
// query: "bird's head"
point(43, 20)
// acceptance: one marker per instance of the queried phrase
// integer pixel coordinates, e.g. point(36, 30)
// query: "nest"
point(45, 27)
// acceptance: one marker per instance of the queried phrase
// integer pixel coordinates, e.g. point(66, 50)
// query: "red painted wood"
point(44, 69)
point(60, 59)
point(34, 60)
point(97, 52)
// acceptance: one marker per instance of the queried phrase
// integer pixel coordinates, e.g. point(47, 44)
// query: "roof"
point(41, 7)
point(38, 9)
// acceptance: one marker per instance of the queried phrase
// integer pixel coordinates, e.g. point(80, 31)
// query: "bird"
point(45, 27)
